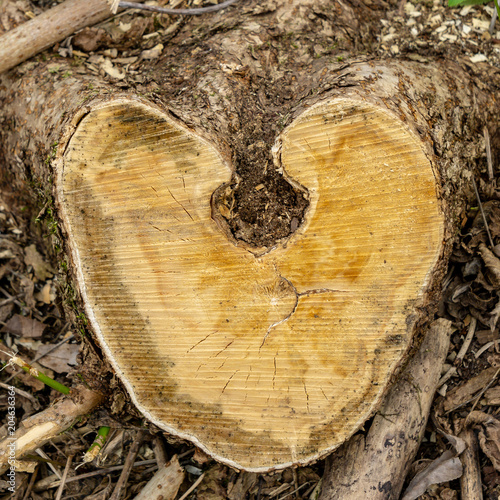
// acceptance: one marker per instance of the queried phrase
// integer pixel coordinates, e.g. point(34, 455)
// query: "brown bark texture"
point(236, 80)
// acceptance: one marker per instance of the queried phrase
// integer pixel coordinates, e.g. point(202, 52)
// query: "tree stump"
point(255, 267)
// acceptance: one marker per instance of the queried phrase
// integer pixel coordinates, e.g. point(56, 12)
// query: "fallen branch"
point(470, 482)
point(38, 429)
point(48, 28)
point(54, 25)
point(375, 466)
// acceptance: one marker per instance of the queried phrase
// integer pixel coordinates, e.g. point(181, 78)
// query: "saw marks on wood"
point(268, 360)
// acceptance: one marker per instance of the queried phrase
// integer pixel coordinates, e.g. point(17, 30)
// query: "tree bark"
point(237, 81)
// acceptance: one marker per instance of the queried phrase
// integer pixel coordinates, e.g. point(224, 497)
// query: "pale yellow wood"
point(268, 360)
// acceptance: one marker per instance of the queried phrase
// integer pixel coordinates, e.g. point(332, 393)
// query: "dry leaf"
point(445, 468)
point(6, 311)
point(153, 53)
point(62, 360)
point(464, 393)
point(42, 270)
point(28, 289)
point(448, 494)
point(200, 457)
point(24, 327)
point(495, 316)
point(211, 488)
point(238, 490)
point(102, 494)
point(457, 442)
point(91, 39)
point(492, 396)
point(492, 263)
point(489, 435)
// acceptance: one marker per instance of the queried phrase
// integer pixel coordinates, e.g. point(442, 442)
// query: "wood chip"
point(478, 58)
point(153, 53)
point(47, 294)
point(112, 71)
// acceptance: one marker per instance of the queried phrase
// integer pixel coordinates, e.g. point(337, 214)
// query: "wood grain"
point(262, 360)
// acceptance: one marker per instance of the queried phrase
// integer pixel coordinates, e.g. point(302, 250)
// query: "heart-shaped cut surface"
point(263, 361)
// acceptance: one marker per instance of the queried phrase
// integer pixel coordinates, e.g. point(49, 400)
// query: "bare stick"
point(487, 144)
point(38, 429)
point(468, 339)
point(63, 479)
point(177, 12)
point(193, 487)
point(127, 468)
point(470, 482)
point(160, 452)
point(54, 482)
point(48, 28)
point(482, 213)
point(29, 489)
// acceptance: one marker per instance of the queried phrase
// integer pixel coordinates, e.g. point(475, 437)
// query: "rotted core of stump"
point(263, 359)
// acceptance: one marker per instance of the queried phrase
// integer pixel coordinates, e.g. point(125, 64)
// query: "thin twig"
point(177, 12)
point(63, 479)
point(483, 214)
point(29, 489)
point(295, 482)
point(493, 21)
point(193, 487)
point(487, 145)
point(127, 467)
point(452, 372)
point(12, 298)
point(294, 491)
point(24, 394)
point(476, 397)
point(160, 451)
point(486, 347)
point(49, 462)
point(99, 472)
point(468, 339)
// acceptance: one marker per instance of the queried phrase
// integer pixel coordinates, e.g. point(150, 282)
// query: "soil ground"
point(33, 288)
